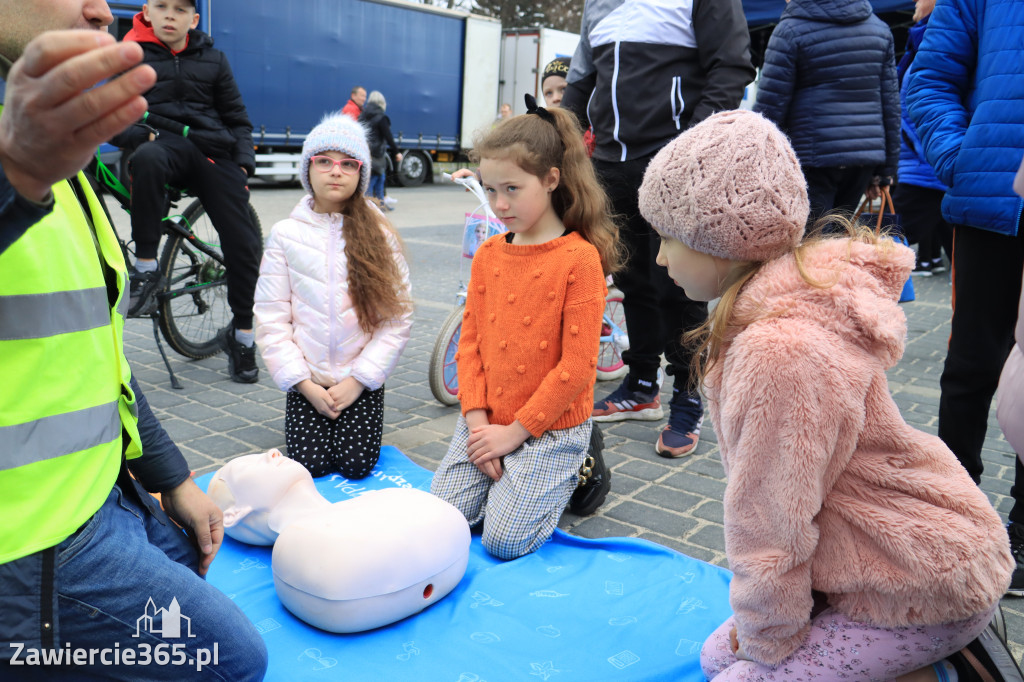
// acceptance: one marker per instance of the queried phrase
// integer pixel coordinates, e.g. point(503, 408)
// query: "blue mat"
point(577, 609)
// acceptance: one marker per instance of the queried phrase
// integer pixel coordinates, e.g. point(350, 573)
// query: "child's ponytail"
point(551, 138)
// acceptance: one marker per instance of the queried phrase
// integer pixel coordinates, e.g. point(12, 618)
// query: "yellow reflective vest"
point(64, 394)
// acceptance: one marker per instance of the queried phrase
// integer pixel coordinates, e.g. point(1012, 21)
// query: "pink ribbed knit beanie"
point(730, 186)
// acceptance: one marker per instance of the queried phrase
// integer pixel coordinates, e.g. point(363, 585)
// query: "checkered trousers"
point(521, 509)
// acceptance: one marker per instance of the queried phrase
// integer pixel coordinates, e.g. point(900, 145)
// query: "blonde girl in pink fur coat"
point(860, 548)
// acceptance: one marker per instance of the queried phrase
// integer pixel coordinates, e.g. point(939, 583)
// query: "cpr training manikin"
point(345, 566)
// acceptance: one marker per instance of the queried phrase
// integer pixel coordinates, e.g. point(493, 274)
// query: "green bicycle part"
point(107, 178)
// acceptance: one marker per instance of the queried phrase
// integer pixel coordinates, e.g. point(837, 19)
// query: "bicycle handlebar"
point(170, 125)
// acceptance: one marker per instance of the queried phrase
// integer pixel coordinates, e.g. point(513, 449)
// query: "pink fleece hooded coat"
point(829, 489)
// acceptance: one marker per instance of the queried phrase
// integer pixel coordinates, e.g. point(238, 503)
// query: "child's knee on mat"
point(502, 541)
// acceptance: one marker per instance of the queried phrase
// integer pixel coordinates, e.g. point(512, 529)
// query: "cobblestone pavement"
point(676, 503)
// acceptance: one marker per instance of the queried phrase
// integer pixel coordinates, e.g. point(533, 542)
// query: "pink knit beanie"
point(730, 186)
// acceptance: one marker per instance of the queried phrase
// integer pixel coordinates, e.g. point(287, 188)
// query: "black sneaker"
point(938, 266)
point(923, 269)
point(241, 359)
point(595, 478)
point(1016, 533)
point(142, 288)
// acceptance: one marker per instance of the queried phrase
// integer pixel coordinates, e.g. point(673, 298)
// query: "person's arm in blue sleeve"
point(17, 213)
point(161, 466)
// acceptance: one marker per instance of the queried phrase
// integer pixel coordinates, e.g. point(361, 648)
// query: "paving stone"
point(648, 471)
point(683, 548)
point(667, 498)
point(710, 536)
point(657, 520)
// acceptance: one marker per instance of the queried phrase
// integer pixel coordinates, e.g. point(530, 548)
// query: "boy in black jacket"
point(195, 87)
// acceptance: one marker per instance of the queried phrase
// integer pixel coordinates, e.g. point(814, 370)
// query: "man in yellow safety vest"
point(93, 574)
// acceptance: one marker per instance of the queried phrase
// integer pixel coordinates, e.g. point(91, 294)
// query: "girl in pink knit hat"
point(860, 548)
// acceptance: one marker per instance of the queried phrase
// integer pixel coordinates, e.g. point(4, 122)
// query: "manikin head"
point(248, 488)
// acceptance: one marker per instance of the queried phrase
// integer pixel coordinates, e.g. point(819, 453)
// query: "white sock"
point(145, 266)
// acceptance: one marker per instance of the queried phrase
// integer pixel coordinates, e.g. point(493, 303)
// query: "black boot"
point(595, 478)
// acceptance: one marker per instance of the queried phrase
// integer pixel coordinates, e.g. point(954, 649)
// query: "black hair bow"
point(532, 108)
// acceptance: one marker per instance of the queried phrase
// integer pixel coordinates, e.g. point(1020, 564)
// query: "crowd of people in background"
point(839, 516)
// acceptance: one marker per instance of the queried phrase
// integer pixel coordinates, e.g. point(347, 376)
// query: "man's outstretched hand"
point(55, 117)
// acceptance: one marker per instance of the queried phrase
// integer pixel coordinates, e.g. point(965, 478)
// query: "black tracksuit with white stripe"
point(645, 71)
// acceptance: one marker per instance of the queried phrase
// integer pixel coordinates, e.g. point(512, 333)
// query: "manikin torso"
point(345, 566)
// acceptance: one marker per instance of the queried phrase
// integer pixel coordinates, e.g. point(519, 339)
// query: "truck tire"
point(413, 170)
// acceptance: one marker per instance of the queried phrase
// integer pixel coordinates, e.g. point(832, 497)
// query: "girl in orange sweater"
point(530, 333)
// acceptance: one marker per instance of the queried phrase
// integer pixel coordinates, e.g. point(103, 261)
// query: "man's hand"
point(319, 398)
point(55, 118)
point(345, 393)
point(494, 441)
point(191, 509)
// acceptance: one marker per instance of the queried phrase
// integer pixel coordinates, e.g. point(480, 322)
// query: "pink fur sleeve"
point(792, 405)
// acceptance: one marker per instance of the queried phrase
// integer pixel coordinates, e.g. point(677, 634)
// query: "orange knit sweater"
point(531, 332)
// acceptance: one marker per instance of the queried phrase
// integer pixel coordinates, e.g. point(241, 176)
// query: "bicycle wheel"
point(609, 356)
point(444, 378)
point(194, 307)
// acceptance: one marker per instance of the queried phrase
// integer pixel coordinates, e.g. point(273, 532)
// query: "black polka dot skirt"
point(349, 445)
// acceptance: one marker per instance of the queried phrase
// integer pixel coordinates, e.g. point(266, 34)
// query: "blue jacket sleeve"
point(161, 466)
point(939, 83)
point(891, 114)
point(17, 213)
point(778, 78)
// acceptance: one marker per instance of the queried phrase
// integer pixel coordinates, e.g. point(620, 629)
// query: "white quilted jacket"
point(306, 325)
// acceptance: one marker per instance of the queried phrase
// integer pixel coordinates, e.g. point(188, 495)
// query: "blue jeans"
point(109, 571)
point(376, 189)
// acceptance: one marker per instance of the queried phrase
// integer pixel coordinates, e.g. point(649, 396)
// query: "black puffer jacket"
point(829, 82)
point(378, 130)
point(196, 88)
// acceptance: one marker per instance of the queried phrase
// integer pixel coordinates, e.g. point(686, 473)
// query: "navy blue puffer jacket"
point(829, 82)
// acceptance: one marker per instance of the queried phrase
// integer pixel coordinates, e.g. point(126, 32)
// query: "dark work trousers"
point(920, 210)
point(836, 188)
point(657, 311)
point(986, 288)
point(222, 187)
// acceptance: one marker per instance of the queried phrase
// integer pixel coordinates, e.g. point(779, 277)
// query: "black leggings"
point(349, 445)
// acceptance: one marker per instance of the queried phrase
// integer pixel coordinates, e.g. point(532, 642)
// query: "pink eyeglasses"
point(326, 164)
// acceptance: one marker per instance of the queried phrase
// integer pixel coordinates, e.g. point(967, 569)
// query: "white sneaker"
point(389, 202)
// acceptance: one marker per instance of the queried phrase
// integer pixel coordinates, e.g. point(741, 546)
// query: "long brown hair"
point(710, 337)
point(374, 280)
point(537, 145)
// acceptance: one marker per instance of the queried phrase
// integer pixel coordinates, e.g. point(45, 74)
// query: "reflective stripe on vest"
point(34, 316)
point(59, 435)
point(65, 400)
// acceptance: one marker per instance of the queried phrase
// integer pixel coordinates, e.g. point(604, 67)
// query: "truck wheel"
point(413, 170)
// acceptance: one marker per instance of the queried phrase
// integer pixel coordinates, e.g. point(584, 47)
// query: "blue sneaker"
point(685, 416)
point(626, 403)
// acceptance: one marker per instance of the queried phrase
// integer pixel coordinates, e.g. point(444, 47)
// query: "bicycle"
point(442, 373)
point(192, 305)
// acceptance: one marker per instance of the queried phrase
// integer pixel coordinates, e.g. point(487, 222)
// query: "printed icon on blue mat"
point(484, 599)
point(543, 670)
point(624, 659)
